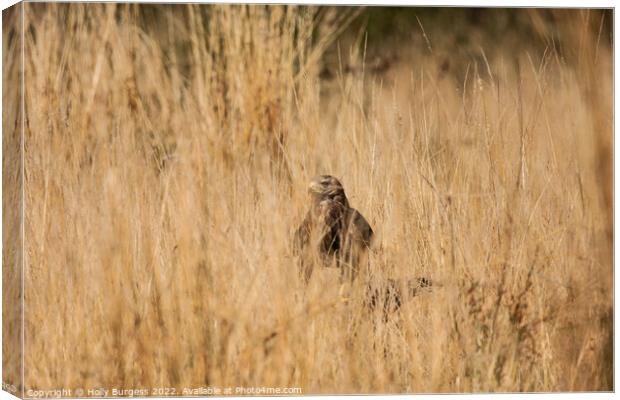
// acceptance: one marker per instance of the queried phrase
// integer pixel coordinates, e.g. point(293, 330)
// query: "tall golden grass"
point(165, 172)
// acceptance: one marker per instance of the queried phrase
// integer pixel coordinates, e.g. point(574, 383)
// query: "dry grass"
point(161, 197)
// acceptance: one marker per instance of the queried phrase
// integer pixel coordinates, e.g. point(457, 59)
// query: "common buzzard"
point(332, 233)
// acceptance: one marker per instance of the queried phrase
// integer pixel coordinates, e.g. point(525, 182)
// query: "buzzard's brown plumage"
point(332, 233)
point(335, 235)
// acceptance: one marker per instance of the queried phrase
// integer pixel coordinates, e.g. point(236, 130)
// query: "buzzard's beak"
point(315, 187)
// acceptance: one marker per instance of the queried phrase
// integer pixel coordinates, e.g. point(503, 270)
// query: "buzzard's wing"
point(359, 230)
point(358, 239)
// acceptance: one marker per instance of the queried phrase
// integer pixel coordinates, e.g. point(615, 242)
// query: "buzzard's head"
point(326, 188)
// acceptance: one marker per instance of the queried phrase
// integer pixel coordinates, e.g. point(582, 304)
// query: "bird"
point(332, 232)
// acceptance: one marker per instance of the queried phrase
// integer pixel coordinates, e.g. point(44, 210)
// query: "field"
point(166, 171)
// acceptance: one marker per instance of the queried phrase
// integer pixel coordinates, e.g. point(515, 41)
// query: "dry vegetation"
point(165, 173)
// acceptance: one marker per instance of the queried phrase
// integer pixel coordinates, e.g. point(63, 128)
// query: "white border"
point(418, 3)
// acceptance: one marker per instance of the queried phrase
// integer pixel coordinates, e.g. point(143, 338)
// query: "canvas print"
point(216, 199)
